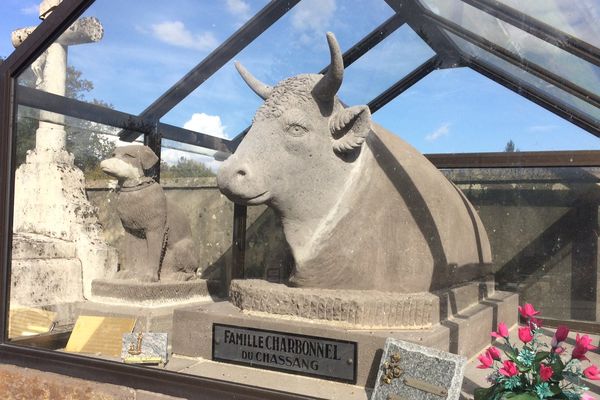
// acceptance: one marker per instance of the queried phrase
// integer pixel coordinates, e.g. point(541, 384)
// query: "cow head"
point(302, 146)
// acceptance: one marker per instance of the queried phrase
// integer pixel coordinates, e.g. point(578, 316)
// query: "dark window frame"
point(148, 123)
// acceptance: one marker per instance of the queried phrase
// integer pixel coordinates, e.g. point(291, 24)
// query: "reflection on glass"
point(384, 65)
point(541, 224)
point(223, 105)
point(521, 43)
point(579, 18)
point(518, 73)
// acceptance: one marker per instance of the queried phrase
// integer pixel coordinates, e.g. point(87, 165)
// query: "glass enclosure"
point(503, 98)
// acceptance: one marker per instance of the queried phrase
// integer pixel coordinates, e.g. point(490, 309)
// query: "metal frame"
point(428, 26)
point(539, 29)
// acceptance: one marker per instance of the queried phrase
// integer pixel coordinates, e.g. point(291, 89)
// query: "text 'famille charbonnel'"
point(268, 349)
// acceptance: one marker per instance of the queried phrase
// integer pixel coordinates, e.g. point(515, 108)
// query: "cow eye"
point(296, 130)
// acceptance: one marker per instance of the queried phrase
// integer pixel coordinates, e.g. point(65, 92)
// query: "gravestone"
point(410, 371)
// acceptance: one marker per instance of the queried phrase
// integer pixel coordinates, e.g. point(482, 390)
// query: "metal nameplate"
point(289, 352)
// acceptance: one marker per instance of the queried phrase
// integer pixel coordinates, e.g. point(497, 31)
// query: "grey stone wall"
point(542, 223)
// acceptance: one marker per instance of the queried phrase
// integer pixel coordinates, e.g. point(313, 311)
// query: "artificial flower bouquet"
point(537, 370)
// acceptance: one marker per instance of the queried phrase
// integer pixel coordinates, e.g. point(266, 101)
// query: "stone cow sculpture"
point(360, 208)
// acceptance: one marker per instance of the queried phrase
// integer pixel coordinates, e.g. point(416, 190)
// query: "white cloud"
point(204, 123)
point(313, 15)
point(443, 130)
point(176, 34)
point(542, 128)
point(33, 9)
point(238, 8)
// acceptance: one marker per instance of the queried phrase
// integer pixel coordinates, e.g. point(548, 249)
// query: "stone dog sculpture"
point(360, 208)
point(158, 239)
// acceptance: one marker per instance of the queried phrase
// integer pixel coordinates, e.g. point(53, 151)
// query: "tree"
point(510, 147)
point(84, 140)
point(185, 168)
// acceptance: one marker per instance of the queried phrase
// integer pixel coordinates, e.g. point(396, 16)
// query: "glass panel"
point(384, 65)
point(524, 45)
point(577, 18)
point(541, 224)
point(295, 44)
point(129, 63)
point(518, 73)
point(459, 110)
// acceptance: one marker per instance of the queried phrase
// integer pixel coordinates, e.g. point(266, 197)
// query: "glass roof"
point(547, 51)
point(578, 18)
point(549, 63)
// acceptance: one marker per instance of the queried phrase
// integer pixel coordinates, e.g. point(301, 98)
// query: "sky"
point(149, 45)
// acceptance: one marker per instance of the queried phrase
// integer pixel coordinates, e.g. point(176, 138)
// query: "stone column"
point(58, 247)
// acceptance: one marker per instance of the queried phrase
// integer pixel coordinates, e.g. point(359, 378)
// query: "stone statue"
point(158, 238)
point(361, 209)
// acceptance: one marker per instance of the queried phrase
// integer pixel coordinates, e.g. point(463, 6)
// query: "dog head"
point(129, 162)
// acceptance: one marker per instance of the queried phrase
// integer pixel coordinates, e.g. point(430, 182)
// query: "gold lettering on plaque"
point(136, 349)
point(425, 386)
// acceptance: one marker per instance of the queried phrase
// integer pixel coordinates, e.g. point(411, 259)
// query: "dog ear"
point(147, 157)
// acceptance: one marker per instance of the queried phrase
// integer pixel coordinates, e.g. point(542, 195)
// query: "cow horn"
point(257, 86)
point(328, 86)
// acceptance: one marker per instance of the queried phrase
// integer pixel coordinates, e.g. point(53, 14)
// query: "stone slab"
point(192, 331)
point(42, 282)
point(411, 371)
point(33, 246)
point(357, 308)
point(149, 319)
point(135, 293)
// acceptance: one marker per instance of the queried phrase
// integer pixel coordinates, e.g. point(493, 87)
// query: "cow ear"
point(147, 157)
point(350, 127)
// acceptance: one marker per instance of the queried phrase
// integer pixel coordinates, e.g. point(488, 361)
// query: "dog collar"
point(131, 186)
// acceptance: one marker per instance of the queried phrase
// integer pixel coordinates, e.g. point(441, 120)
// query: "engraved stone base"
point(465, 333)
point(135, 293)
point(45, 271)
point(356, 308)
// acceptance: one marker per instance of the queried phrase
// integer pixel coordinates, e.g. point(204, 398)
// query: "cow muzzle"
point(236, 181)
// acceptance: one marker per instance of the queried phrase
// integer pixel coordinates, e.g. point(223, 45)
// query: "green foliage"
point(84, 141)
point(185, 168)
point(510, 147)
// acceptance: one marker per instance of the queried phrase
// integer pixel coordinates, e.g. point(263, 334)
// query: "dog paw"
point(177, 277)
point(148, 278)
point(124, 275)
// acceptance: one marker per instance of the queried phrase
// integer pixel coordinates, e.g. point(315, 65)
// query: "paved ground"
point(474, 377)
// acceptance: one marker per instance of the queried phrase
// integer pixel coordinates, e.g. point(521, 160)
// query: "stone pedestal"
point(466, 320)
point(53, 215)
point(152, 304)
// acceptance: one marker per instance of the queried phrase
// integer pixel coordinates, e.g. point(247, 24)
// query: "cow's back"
point(403, 227)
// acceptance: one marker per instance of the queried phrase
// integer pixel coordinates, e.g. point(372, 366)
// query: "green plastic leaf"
point(522, 396)
point(541, 356)
point(483, 393)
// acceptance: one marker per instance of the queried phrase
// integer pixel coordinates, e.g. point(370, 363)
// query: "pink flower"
point(525, 334)
point(502, 331)
point(494, 353)
point(561, 334)
point(509, 369)
point(587, 396)
point(485, 360)
point(592, 372)
point(527, 311)
point(559, 350)
point(546, 372)
point(582, 345)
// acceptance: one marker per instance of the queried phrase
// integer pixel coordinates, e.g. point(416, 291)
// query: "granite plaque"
point(288, 352)
point(144, 348)
point(413, 372)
